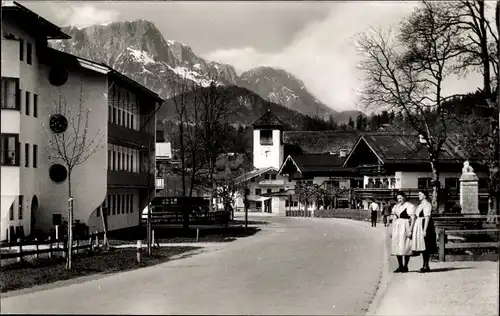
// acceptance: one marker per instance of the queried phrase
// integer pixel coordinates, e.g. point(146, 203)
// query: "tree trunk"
point(435, 187)
point(70, 223)
point(183, 157)
point(104, 213)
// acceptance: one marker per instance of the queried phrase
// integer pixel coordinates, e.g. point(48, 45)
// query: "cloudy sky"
point(312, 40)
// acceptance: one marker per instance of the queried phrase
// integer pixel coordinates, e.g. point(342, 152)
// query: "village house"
point(389, 162)
point(276, 155)
point(115, 177)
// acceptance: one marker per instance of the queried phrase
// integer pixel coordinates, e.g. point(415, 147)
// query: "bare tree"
point(214, 126)
point(479, 48)
point(405, 73)
point(71, 147)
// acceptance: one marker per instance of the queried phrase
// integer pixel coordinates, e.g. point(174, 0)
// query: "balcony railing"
point(10, 58)
point(160, 183)
point(128, 135)
point(127, 179)
point(276, 182)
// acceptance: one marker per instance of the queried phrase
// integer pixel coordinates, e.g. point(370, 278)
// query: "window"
point(26, 155)
point(257, 191)
point(131, 203)
point(113, 198)
point(27, 102)
point(266, 137)
point(273, 177)
point(29, 53)
point(451, 183)
point(282, 190)
point(114, 115)
point(118, 203)
point(35, 105)
point(266, 177)
point(21, 49)
point(108, 203)
point(35, 156)
point(113, 161)
point(258, 205)
point(424, 183)
point(10, 150)
point(20, 214)
point(124, 205)
point(132, 162)
point(269, 190)
point(252, 180)
point(109, 159)
point(10, 97)
point(11, 212)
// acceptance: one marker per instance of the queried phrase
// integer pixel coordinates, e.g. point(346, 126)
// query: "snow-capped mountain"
point(139, 50)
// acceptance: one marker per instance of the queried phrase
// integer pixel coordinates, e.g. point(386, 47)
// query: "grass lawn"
point(179, 235)
point(28, 274)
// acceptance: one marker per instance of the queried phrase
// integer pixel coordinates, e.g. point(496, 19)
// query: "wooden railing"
point(466, 225)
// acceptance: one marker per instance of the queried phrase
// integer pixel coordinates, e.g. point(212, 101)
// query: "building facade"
point(45, 94)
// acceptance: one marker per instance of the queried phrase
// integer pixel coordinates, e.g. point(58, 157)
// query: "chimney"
point(343, 153)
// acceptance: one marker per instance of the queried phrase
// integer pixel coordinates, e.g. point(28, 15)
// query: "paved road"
point(294, 266)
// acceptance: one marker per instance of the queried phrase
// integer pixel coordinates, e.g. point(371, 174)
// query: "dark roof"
point(320, 142)
point(231, 165)
point(406, 148)
point(72, 59)
point(269, 119)
point(32, 21)
point(312, 163)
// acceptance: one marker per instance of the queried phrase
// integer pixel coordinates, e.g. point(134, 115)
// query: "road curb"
point(384, 280)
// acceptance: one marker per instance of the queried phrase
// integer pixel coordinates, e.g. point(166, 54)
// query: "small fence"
point(166, 217)
point(465, 233)
point(361, 215)
point(23, 250)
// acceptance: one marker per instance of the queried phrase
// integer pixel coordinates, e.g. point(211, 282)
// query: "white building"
point(42, 90)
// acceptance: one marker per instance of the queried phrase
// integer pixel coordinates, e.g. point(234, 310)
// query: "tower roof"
point(268, 120)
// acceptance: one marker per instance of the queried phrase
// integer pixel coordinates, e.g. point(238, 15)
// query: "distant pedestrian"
point(386, 213)
point(424, 233)
point(374, 210)
point(402, 229)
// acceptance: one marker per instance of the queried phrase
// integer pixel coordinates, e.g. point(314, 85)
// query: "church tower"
point(268, 149)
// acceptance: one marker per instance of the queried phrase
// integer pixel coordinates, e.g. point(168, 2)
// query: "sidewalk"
point(451, 288)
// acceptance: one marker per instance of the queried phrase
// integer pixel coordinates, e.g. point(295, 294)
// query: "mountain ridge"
point(138, 49)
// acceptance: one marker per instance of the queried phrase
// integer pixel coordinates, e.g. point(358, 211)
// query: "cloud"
point(323, 54)
point(82, 15)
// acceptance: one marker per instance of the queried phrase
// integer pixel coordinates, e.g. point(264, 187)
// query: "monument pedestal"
point(469, 193)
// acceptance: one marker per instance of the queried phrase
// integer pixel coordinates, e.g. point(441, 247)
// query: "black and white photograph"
point(250, 157)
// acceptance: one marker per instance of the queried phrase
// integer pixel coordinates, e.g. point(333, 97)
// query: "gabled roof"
point(102, 68)
point(268, 120)
point(313, 163)
point(407, 148)
point(254, 173)
point(321, 142)
point(29, 20)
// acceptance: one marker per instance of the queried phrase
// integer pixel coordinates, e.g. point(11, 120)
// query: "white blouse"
point(424, 206)
point(399, 208)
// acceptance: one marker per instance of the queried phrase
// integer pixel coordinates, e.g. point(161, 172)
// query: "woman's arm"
point(427, 216)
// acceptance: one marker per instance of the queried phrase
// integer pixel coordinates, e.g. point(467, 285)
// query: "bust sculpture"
point(467, 168)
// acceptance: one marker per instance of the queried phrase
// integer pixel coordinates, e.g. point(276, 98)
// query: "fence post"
point(96, 239)
point(50, 247)
point(20, 250)
point(91, 245)
point(77, 244)
point(442, 243)
point(36, 247)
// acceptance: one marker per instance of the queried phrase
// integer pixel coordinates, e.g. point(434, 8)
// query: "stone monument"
point(469, 193)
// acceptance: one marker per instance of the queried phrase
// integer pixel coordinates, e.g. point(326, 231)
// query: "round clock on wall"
point(58, 76)
point(58, 123)
point(58, 173)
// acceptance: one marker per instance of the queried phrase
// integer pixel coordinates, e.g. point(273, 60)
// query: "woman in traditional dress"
point(424, 233)
point(403, 214)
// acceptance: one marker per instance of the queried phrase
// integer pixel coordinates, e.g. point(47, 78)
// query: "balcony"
point(272, 183)
point(10, 58)
point(130, 136)
point(125, 179)
point(160, 183)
